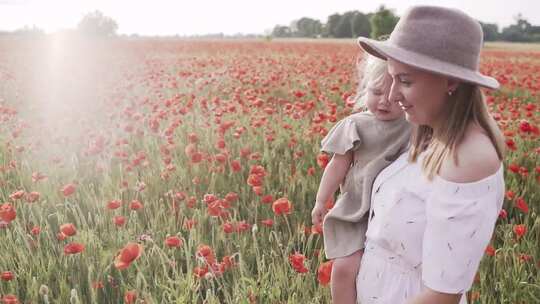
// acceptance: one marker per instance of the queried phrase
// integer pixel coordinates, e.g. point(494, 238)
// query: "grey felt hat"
point(436, 39)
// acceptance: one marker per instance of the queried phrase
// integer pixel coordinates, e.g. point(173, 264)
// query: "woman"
point(434, 208)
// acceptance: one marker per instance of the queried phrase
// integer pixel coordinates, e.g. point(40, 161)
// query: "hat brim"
point(384, 50)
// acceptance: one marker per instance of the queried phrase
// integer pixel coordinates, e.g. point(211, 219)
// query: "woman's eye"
point(404, 81)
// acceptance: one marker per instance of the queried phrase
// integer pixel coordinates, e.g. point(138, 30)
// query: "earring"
point(450, 92)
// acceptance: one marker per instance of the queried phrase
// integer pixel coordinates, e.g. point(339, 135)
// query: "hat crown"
point(442, 33)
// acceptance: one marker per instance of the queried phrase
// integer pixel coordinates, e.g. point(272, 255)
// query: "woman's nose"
point(394, 95)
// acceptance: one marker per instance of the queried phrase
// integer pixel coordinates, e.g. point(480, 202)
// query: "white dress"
point(425, 234)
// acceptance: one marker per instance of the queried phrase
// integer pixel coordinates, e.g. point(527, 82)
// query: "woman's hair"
point(371, 72)
point(464, 106)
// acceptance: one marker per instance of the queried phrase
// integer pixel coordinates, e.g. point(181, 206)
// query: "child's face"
point(377, 101)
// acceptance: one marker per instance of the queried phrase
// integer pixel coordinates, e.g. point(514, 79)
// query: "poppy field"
point(185, 171)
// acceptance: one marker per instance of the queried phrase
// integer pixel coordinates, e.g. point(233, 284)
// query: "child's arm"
point(333, 175)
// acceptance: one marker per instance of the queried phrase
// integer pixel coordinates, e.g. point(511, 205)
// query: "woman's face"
point(378, 103)
point(420, 94)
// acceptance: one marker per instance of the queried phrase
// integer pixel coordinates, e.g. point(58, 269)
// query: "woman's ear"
point(452, 85)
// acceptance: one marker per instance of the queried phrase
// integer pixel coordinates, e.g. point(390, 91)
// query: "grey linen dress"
point(375, 144)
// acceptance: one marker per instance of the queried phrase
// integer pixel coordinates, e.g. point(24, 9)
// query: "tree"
point(307, 27)
point(382, 22)
point(28, 31)
point(519, 32)
point(491, 31)
point(344, 26)
point(331, 25)
point(97, 24)
point(360, 24)
point(281, 31)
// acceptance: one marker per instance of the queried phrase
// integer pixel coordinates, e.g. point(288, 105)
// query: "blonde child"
point(362, 144)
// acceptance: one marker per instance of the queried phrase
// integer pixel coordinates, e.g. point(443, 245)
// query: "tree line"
point(350, 24)
point(354, 24)
point(94, 24)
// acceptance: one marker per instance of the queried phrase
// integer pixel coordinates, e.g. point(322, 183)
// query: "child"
point(362, 145)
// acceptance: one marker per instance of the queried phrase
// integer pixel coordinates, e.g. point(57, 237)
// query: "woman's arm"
point(477, 160)
point(333, 175)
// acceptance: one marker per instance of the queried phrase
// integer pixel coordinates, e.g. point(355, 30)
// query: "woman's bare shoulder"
point(477, 159)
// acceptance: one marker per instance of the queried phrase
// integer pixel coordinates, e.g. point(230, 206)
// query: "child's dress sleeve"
point(344, 136)
point(460, 220)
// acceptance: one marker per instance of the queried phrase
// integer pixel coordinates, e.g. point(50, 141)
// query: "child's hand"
point(318, 213)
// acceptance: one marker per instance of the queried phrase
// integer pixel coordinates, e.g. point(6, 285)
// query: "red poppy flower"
point(236, 166)
point(209, 198)
point(119, 220)
point(257, 170)
point(521, 204)
point(490, 250)
point(228, 227)
point(200, 272)
point(10, 299)
point(73, 248)
point(258, 190)
point(267, 199)
point(282, 206)
point(114, 204)
point(297, 262)
point(503, 214)
point(207, 253)
point(68, 229)
point(35, 230)
point(130, 297)
point(231, 197)
point(17, 195)
point(317, 229)
point(322, 160)
point(135, 205)
point(242, 226)
point(254, 180)
point(324, 272)
point(196, 157)
point(97, 285)
point(173, 241)
point(227, 262)
point(7, 212)
point(193, 138)
point(127, 255)
point(32, 196)
point(7, 276)
point(510, 195)
point(68, 189)
point(520, 230)
point(36, 176)
point(268, 222)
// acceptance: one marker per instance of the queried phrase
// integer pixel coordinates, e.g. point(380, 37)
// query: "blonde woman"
point(434, 208)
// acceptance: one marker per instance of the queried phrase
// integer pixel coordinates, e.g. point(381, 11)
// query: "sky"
point(168, 17)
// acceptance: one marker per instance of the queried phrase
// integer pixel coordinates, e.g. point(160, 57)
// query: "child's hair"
point(371, 71)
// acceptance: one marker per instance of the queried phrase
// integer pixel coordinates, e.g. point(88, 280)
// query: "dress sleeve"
point(460, 220)
point(342, 137)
